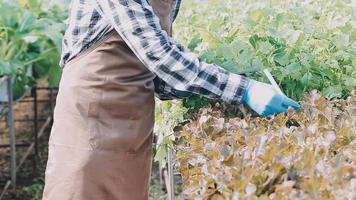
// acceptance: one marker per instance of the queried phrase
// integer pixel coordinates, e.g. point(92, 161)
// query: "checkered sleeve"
point(177, 68)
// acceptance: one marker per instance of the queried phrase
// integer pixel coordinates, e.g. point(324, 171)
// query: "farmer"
point(116, 55)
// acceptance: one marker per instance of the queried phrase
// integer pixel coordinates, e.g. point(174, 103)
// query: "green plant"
point(168, 114)
point(307, 45)
point(30, 42)
point(33, 191)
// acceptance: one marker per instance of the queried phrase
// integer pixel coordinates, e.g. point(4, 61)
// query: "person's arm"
point(163, 91)
point(167, 12)
point(181, 70)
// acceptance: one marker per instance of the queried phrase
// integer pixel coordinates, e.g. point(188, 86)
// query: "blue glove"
point(265, 100)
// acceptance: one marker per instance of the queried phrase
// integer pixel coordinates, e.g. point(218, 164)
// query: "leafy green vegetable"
point(304, 49)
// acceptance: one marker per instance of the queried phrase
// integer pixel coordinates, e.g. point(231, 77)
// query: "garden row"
point(228, 153)
point(307, 44)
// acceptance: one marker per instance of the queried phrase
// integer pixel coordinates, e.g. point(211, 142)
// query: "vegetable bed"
point(305, 155)
point(225, 152)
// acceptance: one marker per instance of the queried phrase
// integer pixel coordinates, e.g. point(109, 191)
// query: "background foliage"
point(30, 42)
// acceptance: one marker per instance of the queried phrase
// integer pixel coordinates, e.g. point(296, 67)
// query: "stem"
point(5, 28)
point(32, 61)
point(20, 51)
point(39, 58)
point(9, 50)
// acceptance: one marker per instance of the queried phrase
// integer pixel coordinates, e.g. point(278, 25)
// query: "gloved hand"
point(265, 100)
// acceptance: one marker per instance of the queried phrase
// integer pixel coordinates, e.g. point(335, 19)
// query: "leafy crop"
point(169, 114)
point(308, 44)
point(30, 42)
point(305, 155)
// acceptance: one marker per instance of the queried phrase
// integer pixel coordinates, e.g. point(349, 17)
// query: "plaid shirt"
point(179, 73)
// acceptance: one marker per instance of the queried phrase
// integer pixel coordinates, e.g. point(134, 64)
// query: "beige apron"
point(101, 140)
